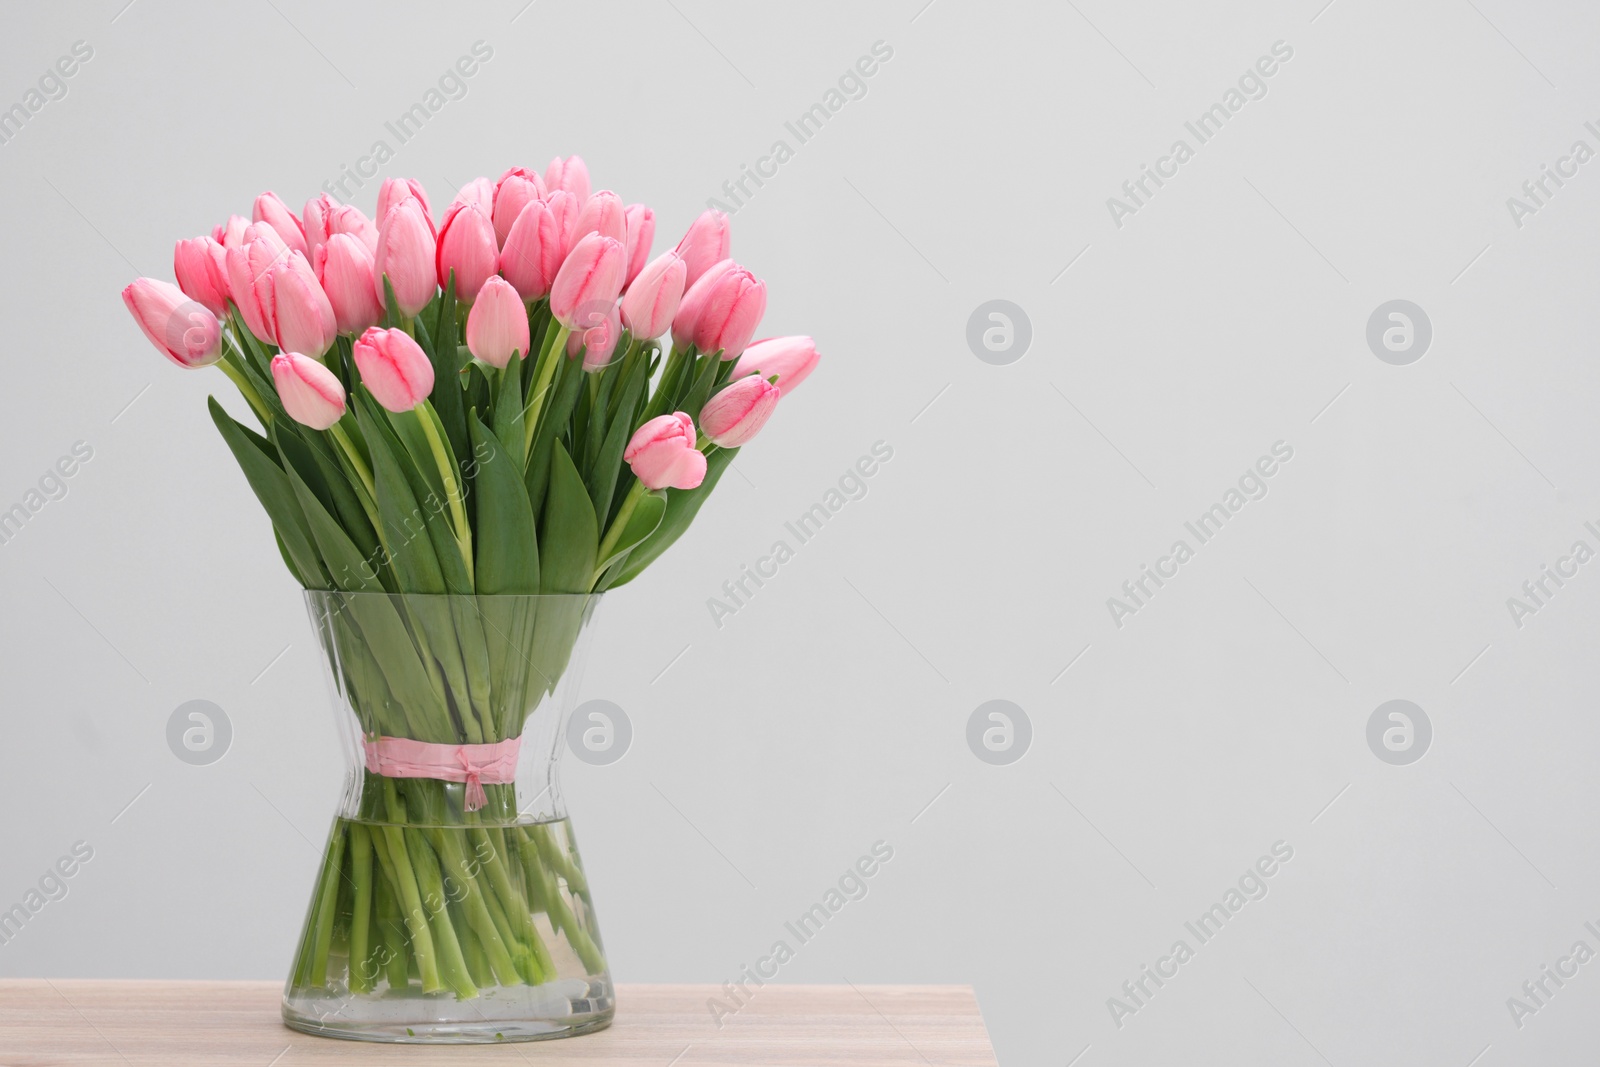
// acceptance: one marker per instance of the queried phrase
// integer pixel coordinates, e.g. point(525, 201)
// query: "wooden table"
point(220, 1024)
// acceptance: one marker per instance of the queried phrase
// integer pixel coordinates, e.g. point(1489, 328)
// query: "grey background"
point(831, 712)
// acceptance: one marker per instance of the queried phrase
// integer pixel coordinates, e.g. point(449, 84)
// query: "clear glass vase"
point(451, 905)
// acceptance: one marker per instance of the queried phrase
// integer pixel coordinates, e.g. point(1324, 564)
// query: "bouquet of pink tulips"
point(482, 405)
point(346, 339)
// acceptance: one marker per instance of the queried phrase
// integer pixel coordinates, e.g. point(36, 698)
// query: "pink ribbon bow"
point(401, 757)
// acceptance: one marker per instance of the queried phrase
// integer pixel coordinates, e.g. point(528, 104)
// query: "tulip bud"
point(589, 281)
point(232, 232)
point(394, 190)
point(652, 298)
point(533, 241)
point(602, 213)
point(298, 311)
point(641, 225)
point(694, 300)
point(181, 328)
point(324, 216)
point(310, 392)
point(564, 208)
point(569, 174)
point(516, 189)
point(479, 192)
point(790, 359)
point(345, 267)
point(662, 453)
point(737, 413)
point(467, 248)
point(730, 314)
point(406, 255)
point(707, 242)
point(247, 263)
point(394, 368)
point(497, 326)
point(275, 213)
point(201, 267)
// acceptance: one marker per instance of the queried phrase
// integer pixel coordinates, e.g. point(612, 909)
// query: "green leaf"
point(391, 305)
point(441, 348)
point(565, 388)
point(571, 536)
point(271, 485)
point(405, 536)
point(682, 506)
point(508, 417)
point(645, 520)
point(507, 545)
point(698, 393)
point(349, 570)
point(608, 461)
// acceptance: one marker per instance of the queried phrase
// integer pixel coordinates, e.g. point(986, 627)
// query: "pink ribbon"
point(401, 757)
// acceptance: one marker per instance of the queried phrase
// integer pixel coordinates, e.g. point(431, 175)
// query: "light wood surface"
point(221, 1024)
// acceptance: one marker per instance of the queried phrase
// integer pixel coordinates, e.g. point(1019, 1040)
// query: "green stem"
point(361, 909)
point(327, 899)
point(246, 387)
point(452, 488)
point(614, 534)
point(391, 848)
point(550, 356)
point(364, 472)
point(452, 964)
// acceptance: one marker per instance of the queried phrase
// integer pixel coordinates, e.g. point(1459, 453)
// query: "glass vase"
point(451, 905)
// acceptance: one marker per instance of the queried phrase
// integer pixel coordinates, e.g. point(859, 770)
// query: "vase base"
point(564, 1008)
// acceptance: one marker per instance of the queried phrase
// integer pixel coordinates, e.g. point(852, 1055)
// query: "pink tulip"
point(230, 233)
point(314, 222)
point(310, 392)
point(791, 359)
point(275, 213)
point(652, 298)
point(641, 232)
point(467, 248)
point(248, 262)
point(731, 311)
point(497, 326)
point(564, 208)
point(662, 453)
point(737, 413)
point(695, 295)
point(201, 267)
point(569, 174)
point(588, 282)
point(602, 213)
point(531, 255)
point(298, 312)
point(324, 216)
point(708, 241)
point(394, 368)
point(345, 269)
point(516, 189)
point(181, 328)
point(406, 255)
point(395, 190)
point(479, 192)
point(597, 341)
